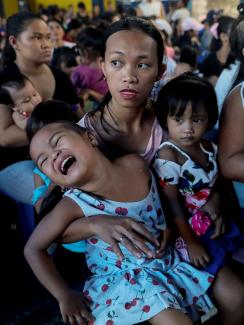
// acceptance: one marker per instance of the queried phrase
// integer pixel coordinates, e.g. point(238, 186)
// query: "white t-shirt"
point(224, 84)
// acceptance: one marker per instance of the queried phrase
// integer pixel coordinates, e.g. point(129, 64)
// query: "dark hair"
point(64, 55)
point(81, 5)
point(16, 24)
point(189, 55)
point(17, 84)
point(47, 112)
point(225, 24)
point(89, 41)
point(237, 45)
point(188, 88)
point(55, 20)
point(130, 24)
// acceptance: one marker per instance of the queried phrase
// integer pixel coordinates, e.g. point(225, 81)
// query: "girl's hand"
point(19, 120)
point(198, 255)
point(166, 234)
point(212, 207)
point(126, 231)
point(73, 309)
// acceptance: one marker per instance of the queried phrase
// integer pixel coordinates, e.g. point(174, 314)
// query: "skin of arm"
point(197, 253)
point(231, 143)
point(10, 134)
point(35, 251)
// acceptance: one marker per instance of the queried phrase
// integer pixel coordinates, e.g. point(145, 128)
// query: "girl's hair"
point(130, 24)
point(16, 24)
point(47, 112)
point(225, 24)
point(188, 88)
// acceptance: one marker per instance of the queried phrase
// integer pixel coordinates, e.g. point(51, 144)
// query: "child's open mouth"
point(66, 164)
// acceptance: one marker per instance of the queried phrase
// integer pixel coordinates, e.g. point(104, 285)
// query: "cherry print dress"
point(195, 185)
point(134, 290)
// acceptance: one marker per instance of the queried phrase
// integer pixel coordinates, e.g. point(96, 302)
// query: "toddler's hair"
point(187, 88)
point(17, 84)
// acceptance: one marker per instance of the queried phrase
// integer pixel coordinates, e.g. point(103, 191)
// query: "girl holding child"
point(123, 126)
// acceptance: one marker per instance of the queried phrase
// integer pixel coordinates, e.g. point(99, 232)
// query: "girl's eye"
point(43, 162)
point(58, 140)
point(116, 63)
point(143, 65)
point(177, 118)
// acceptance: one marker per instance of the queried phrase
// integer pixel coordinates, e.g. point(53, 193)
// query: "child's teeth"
point(64, 162)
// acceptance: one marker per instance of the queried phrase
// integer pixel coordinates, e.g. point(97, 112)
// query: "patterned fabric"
point(134, 290)
point(195, 184)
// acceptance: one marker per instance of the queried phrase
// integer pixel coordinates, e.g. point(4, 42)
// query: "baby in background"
point(21, 95)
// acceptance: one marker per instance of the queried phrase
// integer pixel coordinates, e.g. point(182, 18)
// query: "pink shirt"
point(158, 135)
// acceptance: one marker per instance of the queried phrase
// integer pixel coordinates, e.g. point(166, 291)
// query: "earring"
point(104, 78)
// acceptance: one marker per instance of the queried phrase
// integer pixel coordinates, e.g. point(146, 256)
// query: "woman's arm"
point(231, 137)
point(111, 229)
point(42, 265)
point(10, 134)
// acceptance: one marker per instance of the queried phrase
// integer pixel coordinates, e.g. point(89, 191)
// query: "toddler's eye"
point(197, 120)
point(177, 118)
point(143, 65)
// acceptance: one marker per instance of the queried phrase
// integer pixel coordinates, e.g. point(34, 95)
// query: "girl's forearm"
point(46, 272)
point(185, 230)
point(82, 228)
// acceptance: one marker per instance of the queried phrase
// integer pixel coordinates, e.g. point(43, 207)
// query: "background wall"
point(201, 7)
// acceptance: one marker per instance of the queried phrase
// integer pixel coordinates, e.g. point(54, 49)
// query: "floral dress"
point(195, 185)
point(134, 290)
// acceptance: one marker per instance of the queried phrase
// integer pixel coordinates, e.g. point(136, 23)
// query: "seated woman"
point(27, 51)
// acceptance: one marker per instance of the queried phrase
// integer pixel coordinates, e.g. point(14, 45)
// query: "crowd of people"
point(123, 130)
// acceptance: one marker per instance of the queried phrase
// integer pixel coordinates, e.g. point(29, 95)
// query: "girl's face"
point(188, 129)
point(64, 155)
point(25, 99)
point(130, 67)
point(34, 44)
point(57, 32)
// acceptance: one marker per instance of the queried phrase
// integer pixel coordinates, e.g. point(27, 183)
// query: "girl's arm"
point(231, 143)
point(10, 134)
point(46, 232)
point(197, 253)
point(168, 170)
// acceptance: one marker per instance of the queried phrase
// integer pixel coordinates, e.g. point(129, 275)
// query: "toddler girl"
point(188, 171)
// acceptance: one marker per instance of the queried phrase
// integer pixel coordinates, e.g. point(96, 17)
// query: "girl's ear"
point(161, 71)
point(102, 67)
point(13, 42)
point(92, 139)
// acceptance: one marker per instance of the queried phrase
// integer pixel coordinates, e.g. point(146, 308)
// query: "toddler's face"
point(187, 129)
point(25, 99)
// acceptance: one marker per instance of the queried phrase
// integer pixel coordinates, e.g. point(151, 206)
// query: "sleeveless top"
point(158, 135)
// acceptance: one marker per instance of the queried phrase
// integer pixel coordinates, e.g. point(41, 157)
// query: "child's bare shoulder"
point(135, 162)
point(167, 152)
point(66, 209)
